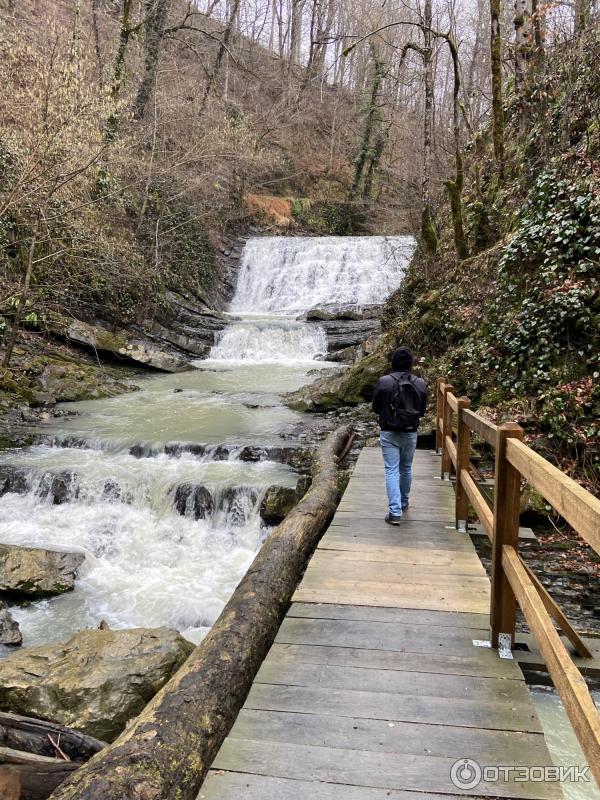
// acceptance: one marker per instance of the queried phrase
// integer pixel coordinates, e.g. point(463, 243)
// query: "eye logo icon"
point(465, 773)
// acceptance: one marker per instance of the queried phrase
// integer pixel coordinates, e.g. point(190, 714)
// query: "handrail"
point(512, 579)
point(567, 679)
point(487, 430)
point(580, 508)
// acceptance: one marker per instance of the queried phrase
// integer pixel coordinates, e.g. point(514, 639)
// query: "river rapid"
point(122, 460)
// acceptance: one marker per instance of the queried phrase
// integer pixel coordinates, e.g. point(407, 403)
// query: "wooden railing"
point(513, 582)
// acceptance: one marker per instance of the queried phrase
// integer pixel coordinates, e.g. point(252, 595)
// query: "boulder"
point(59, 486)
point(37, 572)
point(9, 628)
point(96, 681)
point(278, 501)
point(193, 500)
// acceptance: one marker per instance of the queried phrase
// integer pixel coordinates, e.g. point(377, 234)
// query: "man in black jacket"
point(400, 399)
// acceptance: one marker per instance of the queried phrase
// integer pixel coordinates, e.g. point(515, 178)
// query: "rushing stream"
point(121, 460)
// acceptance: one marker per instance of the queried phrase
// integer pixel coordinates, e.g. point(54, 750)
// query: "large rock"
point(37, 572)
point(9, 628)
point(96, 681)
point(278, 501)
point(194, 500)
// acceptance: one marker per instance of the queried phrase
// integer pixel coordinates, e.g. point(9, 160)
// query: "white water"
point(283, 275)
point(146, 564)
point(270, 339)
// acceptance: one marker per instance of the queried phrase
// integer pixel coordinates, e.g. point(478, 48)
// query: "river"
point(123, 458)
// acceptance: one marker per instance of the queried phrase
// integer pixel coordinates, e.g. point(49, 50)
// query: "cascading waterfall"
point(287, 275)
point(282, 276)
point(161, 489)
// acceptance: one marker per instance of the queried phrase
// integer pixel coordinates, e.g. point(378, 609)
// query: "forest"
point(219, 220)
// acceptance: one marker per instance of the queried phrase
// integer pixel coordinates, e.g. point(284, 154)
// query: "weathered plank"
point(400, 738)
point(222, 785)
point(360, 768)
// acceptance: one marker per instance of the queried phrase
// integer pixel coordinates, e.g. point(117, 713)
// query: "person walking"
point(400, 400)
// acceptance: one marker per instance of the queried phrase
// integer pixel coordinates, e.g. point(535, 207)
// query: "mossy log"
point(166, 752)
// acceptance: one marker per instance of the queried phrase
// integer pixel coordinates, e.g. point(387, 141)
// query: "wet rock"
point(37, 572)
point(331, 311)
point(193, 500)
point(237, 503)
point(60, 487)
point(348, 388)
point(177, 448)
point(96, 681)
point(299, 458)
point(9, 628)
point(68, 382)
point(279, 501)
point(12, 479)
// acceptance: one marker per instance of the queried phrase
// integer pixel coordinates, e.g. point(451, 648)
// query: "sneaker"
point(405, 506)
point(392, 520)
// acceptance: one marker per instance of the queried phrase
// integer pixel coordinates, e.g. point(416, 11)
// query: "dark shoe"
point(391, 520)
point(405, 507)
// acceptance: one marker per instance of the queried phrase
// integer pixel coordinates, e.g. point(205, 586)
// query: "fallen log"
point(37, 756)
point(167, 750)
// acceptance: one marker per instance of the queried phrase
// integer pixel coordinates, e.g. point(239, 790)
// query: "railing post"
point(463, 457)
point(439, 414)
point(507, 494)
point(446, 431)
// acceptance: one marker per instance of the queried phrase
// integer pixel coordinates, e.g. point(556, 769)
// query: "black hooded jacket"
point(384, 392)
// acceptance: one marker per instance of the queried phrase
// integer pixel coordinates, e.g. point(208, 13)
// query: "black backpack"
point(405, 404)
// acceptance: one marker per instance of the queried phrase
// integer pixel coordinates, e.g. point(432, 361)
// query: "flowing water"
point(119, 462)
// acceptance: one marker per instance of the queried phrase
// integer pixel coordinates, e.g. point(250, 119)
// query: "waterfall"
point(286, 275)
point(275, 339)
point(282, 276)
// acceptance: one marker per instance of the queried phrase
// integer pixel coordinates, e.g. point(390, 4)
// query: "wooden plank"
point(464, 712)
point(567, 679)
point(224, 785)
point(451, 448)
point(459, 563)
point(482, 427)
point(325, 563)
point(414, 684)
point(482, 662)
point(401, 738)
point(377, 636)
point(360, 768)
point(579, 507)
point(408, 616)
point(438, 599)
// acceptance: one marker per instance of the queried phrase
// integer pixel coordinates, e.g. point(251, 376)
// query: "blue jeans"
point(398, 450)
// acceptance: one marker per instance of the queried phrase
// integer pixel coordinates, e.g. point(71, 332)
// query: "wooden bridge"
point(377, 685)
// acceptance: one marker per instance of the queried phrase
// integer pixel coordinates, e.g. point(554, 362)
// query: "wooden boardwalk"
point(373, 687)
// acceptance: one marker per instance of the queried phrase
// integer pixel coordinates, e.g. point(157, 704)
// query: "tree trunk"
point(112, 123)
point(168, 749)
point(371, 120)
point(221, 52)
point(154, 27)
point(523, 39)
point(496, 69)
point(455, 186)
point(24, 297)
point(428, 231)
